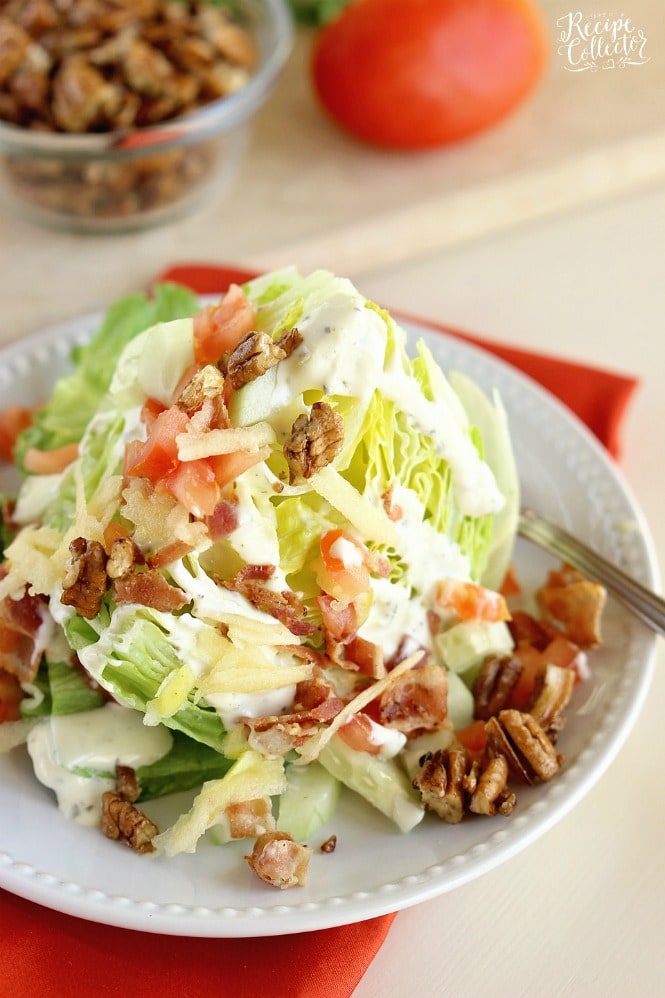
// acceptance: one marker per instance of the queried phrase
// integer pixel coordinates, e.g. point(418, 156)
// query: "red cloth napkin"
point(50, 953)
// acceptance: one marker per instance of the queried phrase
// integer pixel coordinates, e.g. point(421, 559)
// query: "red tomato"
point(157, 457)
point(343, 578)
point(50, 462)
point(357, 733)
point(13, 420)
point(227, 467)
point(473, 738)
point(221, 327)
point(414, 74)
point(469, 601)
point(194, 485)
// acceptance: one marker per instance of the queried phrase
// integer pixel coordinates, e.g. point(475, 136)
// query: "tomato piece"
point(473, 738)
point(227, 467)
point(221, 327)
point(357, 733)
point(342, 572)
point(470, 601)
point(194, 485)
point(11, 695)
point(13, 420)
point(157, 457)
point(414, 74)
point(567, 655)
point(50, 462)
point(150, 410)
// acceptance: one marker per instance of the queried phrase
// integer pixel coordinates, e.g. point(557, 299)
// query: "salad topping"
point(275, 543)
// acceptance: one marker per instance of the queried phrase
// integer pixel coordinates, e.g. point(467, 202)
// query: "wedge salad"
point(257, 554)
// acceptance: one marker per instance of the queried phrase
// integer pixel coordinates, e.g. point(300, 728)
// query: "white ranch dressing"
point(343, 347)
point(390, 740)
point(474, 485)
point(95, 739)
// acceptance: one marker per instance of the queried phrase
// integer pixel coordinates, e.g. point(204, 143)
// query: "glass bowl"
point(131, 179)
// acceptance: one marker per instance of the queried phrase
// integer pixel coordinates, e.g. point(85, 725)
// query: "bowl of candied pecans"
point(119, 114)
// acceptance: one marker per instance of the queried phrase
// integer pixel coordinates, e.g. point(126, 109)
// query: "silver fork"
point(644, 603)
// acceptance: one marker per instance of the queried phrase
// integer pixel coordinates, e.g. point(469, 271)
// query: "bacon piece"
point(276, 734)
point(169, 553)
point(149, 588)
point(223, 520)
point(285, 606)
point(279, 860)
point(574, 604)
point(249, 818)
point(313, 692)
point(417, 701)
point(25, 629)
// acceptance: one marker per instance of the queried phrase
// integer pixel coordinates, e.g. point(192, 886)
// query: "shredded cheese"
point(192, 446)
point(370, 521)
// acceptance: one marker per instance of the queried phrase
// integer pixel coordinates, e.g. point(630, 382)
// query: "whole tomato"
point(413, 74)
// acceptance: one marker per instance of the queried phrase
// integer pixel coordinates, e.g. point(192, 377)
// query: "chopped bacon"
point(223, 520)
point(365, 657)
point(340, 620)
point(169, 553)
point(573, 604)
point(285, 606)
point(407, 646)
point(25, 629)
point(417, 701)
point(394, 512)
point(149, 588)
point(312, 692)
point(279, 860)
point(276, 734)
point(250, 818)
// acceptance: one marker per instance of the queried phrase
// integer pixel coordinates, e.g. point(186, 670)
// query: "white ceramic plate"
point(374, 869)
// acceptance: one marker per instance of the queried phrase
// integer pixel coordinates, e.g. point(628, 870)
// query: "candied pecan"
point(81, 95)
point(228, 38)
point(85, 580)
point(126, 784)
point(14, 42)
point(123, 555)
point(123, 821)
point(525, 628)
point(521, 739)
point(329, 845)
point(490, 793)
point(207, 383)
point(441, 782)
point(255, 354)
point(146, 69)
point(279, 860)
point(149, 588)
point(494, 683)
point(314, 442)
point(551, 695)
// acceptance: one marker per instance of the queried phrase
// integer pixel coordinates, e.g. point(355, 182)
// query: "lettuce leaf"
point(76, 396)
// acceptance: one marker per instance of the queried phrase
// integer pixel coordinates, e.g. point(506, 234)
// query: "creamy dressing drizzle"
point(96, 739)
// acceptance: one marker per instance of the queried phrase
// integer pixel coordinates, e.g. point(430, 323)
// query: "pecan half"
point(521, 739)
point(126, 785)
point(256, 353)
point(207, 383)
point(494, 684)
point(441, 782)
point(490, 794)
point(122, 821)
point(552, 693)
point(123, 555)
point(84, 584)
point(315, 441)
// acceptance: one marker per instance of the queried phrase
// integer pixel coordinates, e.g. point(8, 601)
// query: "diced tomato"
point(50, 462)
point(510, 585)
point(357, 733)
point(532, 661)
point(11, 695)
point(470, 601)
point(473, 738)
point(221, 327)
point(567, 655)
point(342, 572)
point(194, 485)
point(157, 457)
point(13, 420)
point(227, 467)
point(150, 410)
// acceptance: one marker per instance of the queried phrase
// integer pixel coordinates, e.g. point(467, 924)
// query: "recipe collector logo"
point(600, 41)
